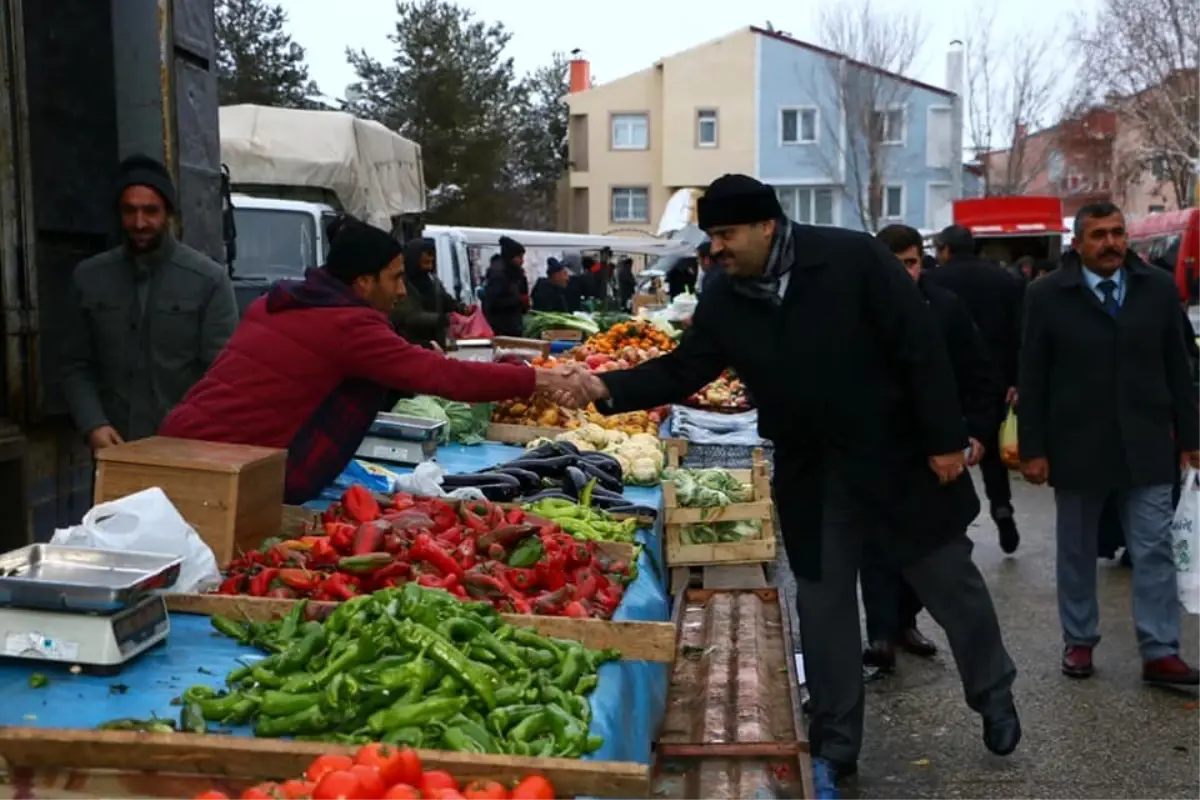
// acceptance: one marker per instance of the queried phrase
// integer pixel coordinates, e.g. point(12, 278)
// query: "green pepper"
point(339, 620)
point(191, 719)
point(266, 677)
point(342, 692)
point(301, 652)
point(359, 651)
point(37, 681)
point(234, 630)
point(597, 657)
point(572, 669)
point(538, 659)
point(532, 639)
point(579, 707)
point(543, 747)
point(193, 693)
point(463, 629)
point(449, 686)
point(412, 737)
point(309, 720)
point(157, 726)
point(476, 731)
point(501, 719)
point(510, 695)
point(552, 694)
point(283, 704)
point(569, 733)
point(532, 726)
point(289, 627)
point(457, 740)
point(242, 711)
point(406, 715)
point(370, 672)
point(218, 708)
point(416, 636)
point(586, 684)
point(592, 744)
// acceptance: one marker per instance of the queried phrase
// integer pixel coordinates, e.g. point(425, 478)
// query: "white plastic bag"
point(1185, 532)
point(148, 522)
point(426, 481)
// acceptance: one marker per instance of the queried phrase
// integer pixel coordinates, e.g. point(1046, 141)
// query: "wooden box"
point(747, 551)
point(232, 494)
point(562, 335)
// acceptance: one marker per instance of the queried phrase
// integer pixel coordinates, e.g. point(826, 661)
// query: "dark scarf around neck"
point(779, 263)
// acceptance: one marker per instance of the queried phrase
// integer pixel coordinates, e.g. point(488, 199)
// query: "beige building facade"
point(636, 141)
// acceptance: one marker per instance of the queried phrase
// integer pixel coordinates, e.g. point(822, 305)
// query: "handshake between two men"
point(570, 385)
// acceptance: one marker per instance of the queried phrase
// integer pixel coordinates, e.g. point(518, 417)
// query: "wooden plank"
point(742, 576)
point(747, 551)
point(562, 335)
point(758, 750)
point(507, 433)
point(637, 641)
point(276, 759)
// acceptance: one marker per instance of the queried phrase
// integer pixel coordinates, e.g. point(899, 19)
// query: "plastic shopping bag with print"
point(1185, 532)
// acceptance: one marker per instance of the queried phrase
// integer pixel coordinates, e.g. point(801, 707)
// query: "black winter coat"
point(968, 356)
point(504, 299)
point(547, 296)
point(1106, 399)
point(850, 375)
point(994, 298)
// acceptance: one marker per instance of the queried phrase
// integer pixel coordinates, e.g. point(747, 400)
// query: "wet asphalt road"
point(1109, 736)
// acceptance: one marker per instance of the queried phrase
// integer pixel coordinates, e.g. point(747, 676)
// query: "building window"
point(630, 132)
point(706, 128)
point(810, 205)
point(889, 125)
point(630, 204)
point(797, 125)
point(893, 202)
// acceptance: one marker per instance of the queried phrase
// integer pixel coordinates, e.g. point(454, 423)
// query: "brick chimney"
point(581, 72)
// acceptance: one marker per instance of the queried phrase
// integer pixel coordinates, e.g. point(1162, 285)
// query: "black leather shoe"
point(1002, 730)
point(916, 643)
point(881, 655)
point(1010, 537)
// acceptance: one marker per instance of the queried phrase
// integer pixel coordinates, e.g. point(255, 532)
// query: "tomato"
point(263, 791)
point(401, 791)
point(296, 789)
point(434, 780)
point(327, 763)
point(212, 794)
point(339, 785)
point(485, 790)
point(533, 787)
point(445, 794)
point(395, 764)
point(371, 780)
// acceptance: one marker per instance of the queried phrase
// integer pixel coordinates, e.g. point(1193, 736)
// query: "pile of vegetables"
point(540, 411)
point(640, 455)
point(409, 666)
point(726, 393)
point(538, 322)
point(392, 773)
point(713, 488)
point(465, 423)
point(633, 342)
point(559, 470)
point(476, 550)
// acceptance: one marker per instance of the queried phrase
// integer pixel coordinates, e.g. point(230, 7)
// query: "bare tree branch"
point(1140, 57)
point(875, 46)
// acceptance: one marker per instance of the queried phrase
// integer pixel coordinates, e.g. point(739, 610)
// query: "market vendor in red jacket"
point(313, 362)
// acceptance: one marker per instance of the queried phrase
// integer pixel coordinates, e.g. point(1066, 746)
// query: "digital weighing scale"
point(397, 439)
point(83, 607)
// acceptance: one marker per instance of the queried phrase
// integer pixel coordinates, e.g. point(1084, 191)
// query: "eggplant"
point(474, 479)
point(566, 448)
point(575, 482)
point(546, 467)
point(603, 478)
point(632, 508)
point(607, 494)
point(605, 462)
point(497, 492)
point(530, 481)
point(548, 494)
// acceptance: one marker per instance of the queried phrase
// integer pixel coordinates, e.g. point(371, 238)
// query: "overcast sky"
point(620, 37)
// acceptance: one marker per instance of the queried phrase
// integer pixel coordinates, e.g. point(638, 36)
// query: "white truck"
point(292, 171)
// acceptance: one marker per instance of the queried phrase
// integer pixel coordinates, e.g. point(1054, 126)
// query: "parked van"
point(1172, 241)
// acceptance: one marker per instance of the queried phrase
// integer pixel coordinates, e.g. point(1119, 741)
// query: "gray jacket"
point(142, 330)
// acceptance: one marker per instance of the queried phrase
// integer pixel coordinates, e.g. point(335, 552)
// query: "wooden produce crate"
point(507, 433)
point(761, 508)
point(231, 494)
point(563, 335)
point(517, 343)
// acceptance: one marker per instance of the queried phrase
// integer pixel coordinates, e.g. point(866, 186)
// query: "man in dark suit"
point(890, 603)
point(994, 298)
point(854, 387)
point(1106, 397)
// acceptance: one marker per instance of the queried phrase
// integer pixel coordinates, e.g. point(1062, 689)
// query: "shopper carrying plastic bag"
point(1185, 531)
point(1010, 451)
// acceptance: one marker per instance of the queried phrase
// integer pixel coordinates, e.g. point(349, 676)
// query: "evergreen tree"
point(257, 62)
point(540, 148)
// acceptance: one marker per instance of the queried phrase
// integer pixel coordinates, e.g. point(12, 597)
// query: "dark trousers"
point(946, 580)
point(890, 602)
point(995, 474)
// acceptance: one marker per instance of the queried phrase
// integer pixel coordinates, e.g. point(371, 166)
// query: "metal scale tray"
point(82, 579)
point(408, 429)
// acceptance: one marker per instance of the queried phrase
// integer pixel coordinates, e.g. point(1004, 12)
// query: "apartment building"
point(842, 143)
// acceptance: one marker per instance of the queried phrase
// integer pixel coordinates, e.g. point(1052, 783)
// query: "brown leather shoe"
point(1170, 671)
point(915, 642)
point(881, 655)
point(1077, 661)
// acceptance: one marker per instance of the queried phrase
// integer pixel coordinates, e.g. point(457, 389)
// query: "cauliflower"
point(644, 470)
point(594, 434)
point(644, 439)
point(576, 438)
point(536, 443)
point(615, 438)
point(626, 464)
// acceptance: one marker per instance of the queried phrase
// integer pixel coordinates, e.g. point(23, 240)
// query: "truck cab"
point(276, 239)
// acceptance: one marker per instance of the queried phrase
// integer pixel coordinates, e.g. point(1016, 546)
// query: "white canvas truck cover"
point(375, 172)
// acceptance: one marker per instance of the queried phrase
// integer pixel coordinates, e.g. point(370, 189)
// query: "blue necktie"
point(1109, 289)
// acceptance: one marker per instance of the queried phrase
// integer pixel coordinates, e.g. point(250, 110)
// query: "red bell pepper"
point(434, 582)
point(233, 584)
point(394, 543)
point(576, 609)
point(465, 553)
point(496, 552)
point(425, 549)
point(515, 516)
point(360, 505)
point(341, 536)
point(299, 579)
point(475, 523)
point(454, 535)
point(337, 587)
point(584, 584)
point(368, 539)
point(260, 584)
point(322, 554)
point(578, 555)
point(523, 580)
point(552, 572)
point(402, 501)
point(550, 603)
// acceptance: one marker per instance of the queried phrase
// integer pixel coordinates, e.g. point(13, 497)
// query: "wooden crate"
point(231, 494)
point(507, 433)
point(761, 508)
point(563, 335)
point(517, 343)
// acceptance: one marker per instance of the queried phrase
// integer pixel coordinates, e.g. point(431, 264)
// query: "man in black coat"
point(550, 292)
point(890, 603)
point(1106, 398)
point(854, 387)
point(506, 290)
point(994, 298)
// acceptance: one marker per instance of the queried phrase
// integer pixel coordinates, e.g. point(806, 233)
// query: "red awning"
point(1007, 216)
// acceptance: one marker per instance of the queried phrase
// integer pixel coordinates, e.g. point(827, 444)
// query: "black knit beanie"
point(141, 170)
point(737, 200)
point(360, 249)
point(510, 248)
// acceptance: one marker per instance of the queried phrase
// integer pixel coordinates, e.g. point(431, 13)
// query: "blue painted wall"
point(790, 75)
